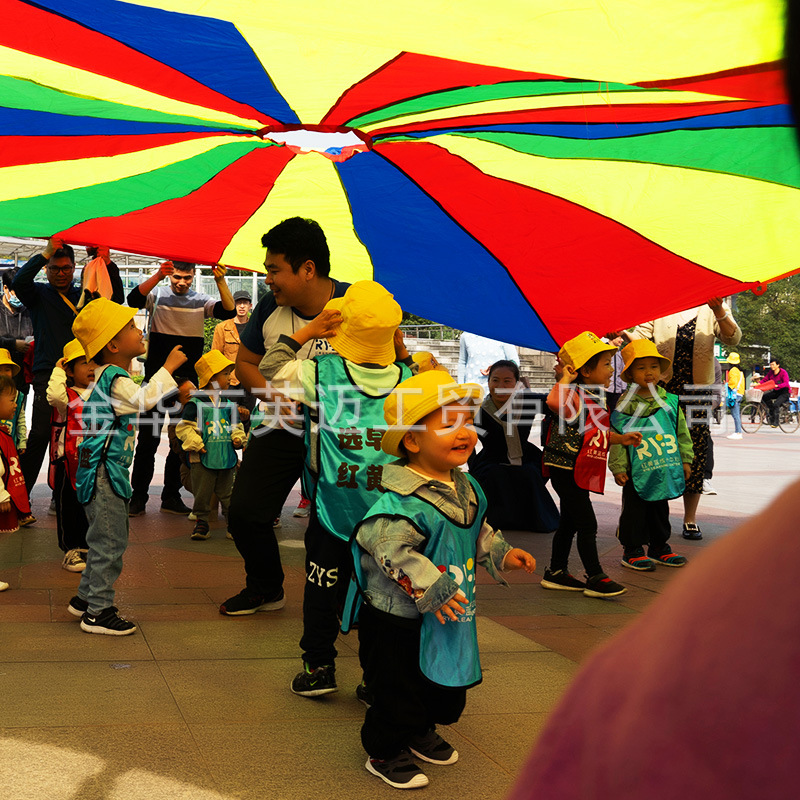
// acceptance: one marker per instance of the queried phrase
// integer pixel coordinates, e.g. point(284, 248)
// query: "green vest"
point(107, 438)
point(350, 426)
point(448, 654)
point(214, 426)
point(656, 466)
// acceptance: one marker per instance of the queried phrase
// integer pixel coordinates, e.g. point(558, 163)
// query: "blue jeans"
point(736, 413)
point(107, 540)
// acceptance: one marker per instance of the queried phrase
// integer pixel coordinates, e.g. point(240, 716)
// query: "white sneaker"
point(735, 436)
point(3, 586)
point(73, 561)
point(303, 508)
point(707, 487)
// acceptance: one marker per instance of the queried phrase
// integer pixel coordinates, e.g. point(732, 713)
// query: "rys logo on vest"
point(464, 576)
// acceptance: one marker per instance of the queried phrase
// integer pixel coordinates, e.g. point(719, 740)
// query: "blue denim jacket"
point(399, 579)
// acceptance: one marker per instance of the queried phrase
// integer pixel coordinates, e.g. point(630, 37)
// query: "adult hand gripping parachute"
point(504, 168)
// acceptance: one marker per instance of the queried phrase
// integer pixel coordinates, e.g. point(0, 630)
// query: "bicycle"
point(755, 414)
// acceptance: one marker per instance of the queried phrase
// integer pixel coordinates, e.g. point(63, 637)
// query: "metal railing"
point(441, 332)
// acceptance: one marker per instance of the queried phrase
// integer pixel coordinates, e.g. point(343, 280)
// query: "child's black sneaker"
point(561, 579)
point(77, 607)
point(108, 622)
point(201, 530)
point(400, 772)
point(315, 682)
point(670, 559)
point(433, 749)
point(602, 586)
point(636, 559)
point(246, 602)
point(364, 695)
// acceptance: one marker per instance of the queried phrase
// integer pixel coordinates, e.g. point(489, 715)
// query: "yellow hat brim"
point(641, 348)
point(97, 325)
point(6, 360)
point(357, 351)
point(446, 393)
point(209, 365)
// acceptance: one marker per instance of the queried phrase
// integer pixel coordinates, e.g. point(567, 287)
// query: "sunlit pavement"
point(197, 705)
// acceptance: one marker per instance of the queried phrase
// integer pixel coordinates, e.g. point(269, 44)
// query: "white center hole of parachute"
point(325, 142)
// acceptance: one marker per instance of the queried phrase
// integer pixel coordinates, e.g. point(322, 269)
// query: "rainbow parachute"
point(506, 168)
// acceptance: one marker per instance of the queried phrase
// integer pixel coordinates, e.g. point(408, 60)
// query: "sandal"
point(691, 531)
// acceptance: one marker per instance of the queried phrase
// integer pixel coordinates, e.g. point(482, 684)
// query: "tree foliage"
point(771, 321)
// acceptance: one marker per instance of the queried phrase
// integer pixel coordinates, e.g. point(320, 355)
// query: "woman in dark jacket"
point(509, 467)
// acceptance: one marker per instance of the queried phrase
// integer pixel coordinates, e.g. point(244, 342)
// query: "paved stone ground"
point(197, 705)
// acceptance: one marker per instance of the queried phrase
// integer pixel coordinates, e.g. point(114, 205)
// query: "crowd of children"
point(396, 528)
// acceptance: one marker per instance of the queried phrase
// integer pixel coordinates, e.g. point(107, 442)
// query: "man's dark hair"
point(64, 251)
point(184, 266)
point(299, 240)
point(8, 277)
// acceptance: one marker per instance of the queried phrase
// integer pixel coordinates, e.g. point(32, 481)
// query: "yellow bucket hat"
point(416, 397)
point(642, 348)
point(370, 316)
point(733, 358)
point(98, 323)
point(5, 359)
point(73, 350)
point(209, 365)
point(426, 361)
point(578, 350)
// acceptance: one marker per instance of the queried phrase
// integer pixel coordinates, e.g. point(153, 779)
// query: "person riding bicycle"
point(775, 386)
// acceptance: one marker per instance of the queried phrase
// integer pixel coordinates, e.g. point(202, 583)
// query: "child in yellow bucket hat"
point(653, 472)
point(69, 386)
point(735, 394)
point(415, 557)
point(14, 505)
point(17, 426)
point(110, 338)
point(575, 455)
point(342, 395)
point(211, 433)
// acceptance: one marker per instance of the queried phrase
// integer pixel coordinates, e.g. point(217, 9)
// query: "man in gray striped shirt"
point(177, 314)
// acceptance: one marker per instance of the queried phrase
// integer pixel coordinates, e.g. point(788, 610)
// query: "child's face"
point(8, 404)
point(221, 380)
point(645, 372)
point(129, 341)
point(446, 441)
point(602, 372)
point(7, 370)
point(81, 371)
point(501, 385)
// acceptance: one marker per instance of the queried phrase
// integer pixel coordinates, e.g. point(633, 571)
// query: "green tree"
point(771, 320)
